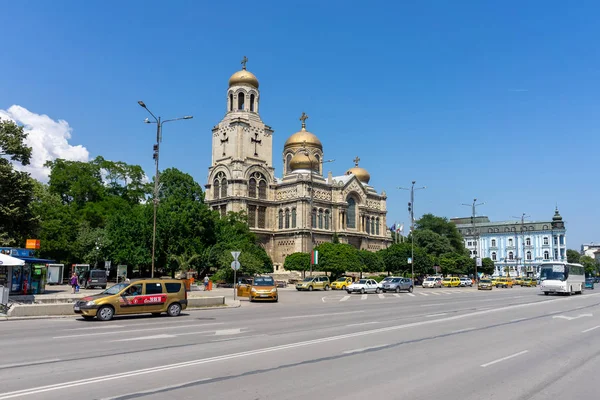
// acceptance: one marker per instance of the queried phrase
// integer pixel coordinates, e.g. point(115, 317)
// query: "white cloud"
point(49, 140)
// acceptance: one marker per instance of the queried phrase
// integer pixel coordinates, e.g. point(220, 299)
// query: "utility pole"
point(522, 217)
point(411, 212)
point(475, 232)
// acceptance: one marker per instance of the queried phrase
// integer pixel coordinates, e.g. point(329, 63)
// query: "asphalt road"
point(456, 343)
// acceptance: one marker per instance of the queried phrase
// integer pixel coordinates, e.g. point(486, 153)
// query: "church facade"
point(302, 208)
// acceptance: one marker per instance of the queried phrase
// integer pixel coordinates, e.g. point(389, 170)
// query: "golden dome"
point(361, 174)
point(300, 161)
point(303, 137)
point(243, 77)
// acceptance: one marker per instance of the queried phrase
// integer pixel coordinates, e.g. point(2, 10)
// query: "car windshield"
point(115, 289)
point(485, 281)
point(308, 279)
point(430, 279)
point(264, 282)
point(362, 281)
point(553, 272)
point(396, 280)
point(341, 280)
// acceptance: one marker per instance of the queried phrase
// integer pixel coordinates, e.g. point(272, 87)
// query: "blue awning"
point(33, 260)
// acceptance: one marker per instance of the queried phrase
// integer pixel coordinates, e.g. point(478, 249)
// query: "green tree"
point(184, 261)
point(573, 256)
point(337, 258)
point(433, 243)
point(487, 266)
point(590, 265)
point(369, 262)
point(297, 262)
point(130, 235)
point(12, 142)
point(396, 258)
point(456, 264)
point(76, 182)
point(444, 228)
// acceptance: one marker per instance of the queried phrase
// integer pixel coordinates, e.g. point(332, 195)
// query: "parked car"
point(93, 278)
point(451, 281)
point(341, 283)
point(384, 280)
point(518, 281)
point(504, 282)
point(432, 282)
point(314, 283)
point(485, 284)
point(398, 284)
point(529, 282)
point(363, 286)
point(589, 283)
point(466, 282)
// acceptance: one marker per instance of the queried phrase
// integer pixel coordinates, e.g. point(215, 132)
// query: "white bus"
point(562, 277)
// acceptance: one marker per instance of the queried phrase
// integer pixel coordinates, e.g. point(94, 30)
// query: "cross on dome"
point(356, 160)
point(244, 61)
point(303, 118)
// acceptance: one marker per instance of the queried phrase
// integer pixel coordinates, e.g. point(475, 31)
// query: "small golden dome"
point(303, 137)
point(300, 161)
point(361, 174)
point(243, 77)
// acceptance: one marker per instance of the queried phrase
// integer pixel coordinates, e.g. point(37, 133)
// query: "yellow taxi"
point(485, 284)
point(341, 283)
point(530, 282)
point(451, 281)
point(153, 296)
point(504, 282)
point(495, 280)
point(518, 281)
point(258, 288)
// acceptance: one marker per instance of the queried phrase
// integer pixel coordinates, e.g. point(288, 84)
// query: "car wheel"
point(349, 292)
point(327, 287)
point(377, 290)
point(397, 289)
point(362, 291)
point(105, 313)
point(410, 289)
point(297, 289)
point(310, 288)
point(87, 317)
point(174, 310)
point(546, 293)
point(343, 287)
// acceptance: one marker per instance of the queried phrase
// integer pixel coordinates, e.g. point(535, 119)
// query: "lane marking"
point(411, 294)
point(136, 330)
point(321, 315)
point(463, 330)
point(135, 339)
point(446, 292)
point(364, 349)
point(81, 382)
point(381, 296)
point(591, 329)
point(431, 305)
point(94, 328)
point(26, 364)
point(518, 319)
point(505, 358)
point(344, 298)
point(485, 308)
point(364, 323)
point(436, 315)
point(396, 295)
point(435, 294)
point(364, 296)
point(423, 294)
point(224, 332)
point(572, 318)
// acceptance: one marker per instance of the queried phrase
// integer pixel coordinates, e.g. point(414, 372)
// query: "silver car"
point(398, 284)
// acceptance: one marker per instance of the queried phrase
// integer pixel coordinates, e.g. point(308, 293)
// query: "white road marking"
point(364, 296)
point(485, 308)
point(321, 315)
point(463, 330)
point(435, 294)
point(94, 328)
point(23, 364)
point(135, 339)
point(591, 329)
point(344, 298)
point(396, 295)
point(364, 349)
point(446, 292)
point(431, 305)
point(381, 296)
point(518, 319)
point(411, 294)
point(423, 294)
point(572, 318)
point(98, 379)
point(505, 358)
point(363, 323)
point(436, 315)
point(223, 332)
point(136, 330)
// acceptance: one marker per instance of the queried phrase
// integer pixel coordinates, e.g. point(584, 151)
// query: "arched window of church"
point(327, 218)
point(288, 159)
point(320, 218)
point(224, 187)
point(230, 101)
point(377, 227)
point(241, 99)
point(351, 213)
point(367, 225)
point(252, 97)
point(372, 226)
point(287, 218)
point(293, 217)
point(262, 189)
point(216, 189)
point(317, 164)
point(280, 219)
point(252, 188)
point(262, 217)
point(313, 218)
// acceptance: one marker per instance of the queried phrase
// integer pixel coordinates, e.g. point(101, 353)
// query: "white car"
point(466, 282)
point(432, 282)
point(363, 286)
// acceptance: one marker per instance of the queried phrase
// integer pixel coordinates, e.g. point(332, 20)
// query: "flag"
point(401, 228)
point(393, 228)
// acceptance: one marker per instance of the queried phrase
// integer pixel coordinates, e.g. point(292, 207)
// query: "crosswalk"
point(383, 296)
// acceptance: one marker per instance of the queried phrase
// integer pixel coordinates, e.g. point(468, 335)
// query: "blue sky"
point(495, 100)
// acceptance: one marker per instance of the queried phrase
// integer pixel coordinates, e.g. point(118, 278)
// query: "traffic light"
point(409, 206)
point(155, 154)
point(472, 220)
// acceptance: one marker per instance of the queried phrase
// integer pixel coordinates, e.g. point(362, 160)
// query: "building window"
point(556, 254)
point(494, 256)
point(368, 225)
point(293, 217)
point(496, 230)
point(528, 242)
point(317, 164)
point(288, 159)
point(280, 219)
point(377, 227)
point(252, 97)
point(545, 227)
point(262, 190)
point(546, 255)
point(490, 230)
point(351, 213)
point(262, 214)
point(545, 241)
point(252, 188)
point(216, 189)
point(528, 255)
point(506, 230)
point(223, 187)
point(313, 218)
point(287, 219)
point(372, 226)
point(510, 242)
point(555, 240)
point(493, 242)
point(327, 217)
point(251, 216)
point(320, 219)
point(230, 101)
point(510, 255)
point(475, 252)
point(562, 240)
point(241, 99)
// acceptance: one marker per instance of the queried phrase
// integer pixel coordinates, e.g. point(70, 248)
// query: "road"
point(456, 343)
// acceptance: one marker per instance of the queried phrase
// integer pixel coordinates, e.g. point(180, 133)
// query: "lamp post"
point(321, 162)
point(473, 213)
point(159, 123)
point(411, 212)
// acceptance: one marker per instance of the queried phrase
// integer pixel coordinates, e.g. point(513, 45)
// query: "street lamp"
point(321, 162)
point(473, 213)
point(159, 123)
point(411, 212)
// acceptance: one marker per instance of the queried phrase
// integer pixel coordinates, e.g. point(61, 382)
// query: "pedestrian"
point(74, 282)
point(206, 282)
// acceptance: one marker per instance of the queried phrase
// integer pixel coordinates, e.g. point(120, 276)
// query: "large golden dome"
point(300, 161)
point(361, 174)
point(303, 137)
point(243, 77)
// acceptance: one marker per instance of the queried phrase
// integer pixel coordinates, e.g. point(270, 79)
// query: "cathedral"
point(301, 209)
